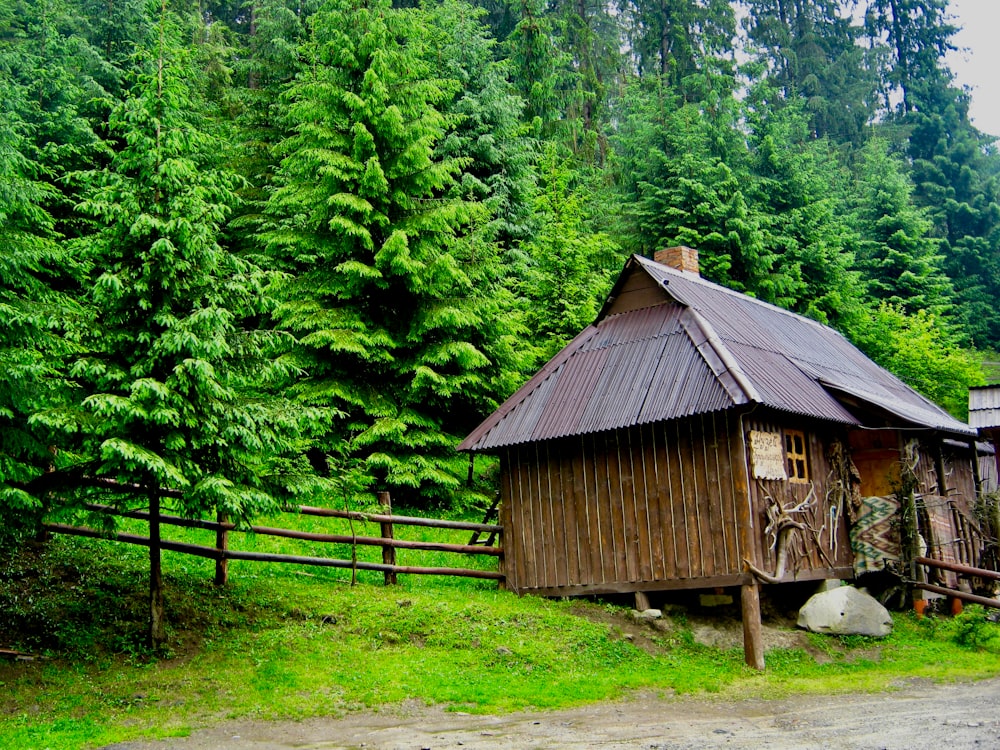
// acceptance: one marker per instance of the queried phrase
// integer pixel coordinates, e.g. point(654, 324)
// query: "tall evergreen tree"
point(35, 313)
point(673, 39)
point(898, 257)
point(955, 180)
point(799, 192)
point(539, 63)
point(380, 262)
point(167, 403)
point(485, 129)
point(812, 53)
point(568, 268)
point(685, 173)
point(917, 34)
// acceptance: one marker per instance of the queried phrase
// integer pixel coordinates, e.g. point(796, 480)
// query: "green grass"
point(280, 644)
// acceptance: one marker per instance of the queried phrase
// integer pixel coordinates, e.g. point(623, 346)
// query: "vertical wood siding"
point(655, 504)
point(948, 521)
point(825, 518)
point(651, 504)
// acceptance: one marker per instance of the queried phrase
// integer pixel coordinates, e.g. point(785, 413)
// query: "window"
point(795, 456)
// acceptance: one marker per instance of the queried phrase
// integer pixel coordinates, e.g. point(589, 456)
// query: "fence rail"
point(964, 570)
point(387, 541)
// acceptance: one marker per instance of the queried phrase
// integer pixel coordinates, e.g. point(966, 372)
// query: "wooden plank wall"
point(826, 515)
point(876, 455)
point(649, 505)
point(954, 535)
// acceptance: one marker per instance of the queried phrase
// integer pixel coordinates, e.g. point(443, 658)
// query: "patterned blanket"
point(874, 538)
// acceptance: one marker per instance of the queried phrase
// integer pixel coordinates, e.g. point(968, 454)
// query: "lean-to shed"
point(693, 435)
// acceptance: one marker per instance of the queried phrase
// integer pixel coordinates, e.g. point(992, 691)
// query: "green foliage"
point(899, 259)
point(812, 53)
point(171, 378)
point(391, 286)
point(922, 351)
point(36, 313)
point(973, 629)
point(800, 192)
point(485, 129)
point(569, 266)
point(687, 180)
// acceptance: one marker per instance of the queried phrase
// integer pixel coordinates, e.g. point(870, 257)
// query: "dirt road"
point(920, 716)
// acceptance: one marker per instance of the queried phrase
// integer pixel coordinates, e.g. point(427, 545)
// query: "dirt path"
point(921, 716)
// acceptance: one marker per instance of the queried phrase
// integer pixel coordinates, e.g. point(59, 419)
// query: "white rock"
point(845, 611)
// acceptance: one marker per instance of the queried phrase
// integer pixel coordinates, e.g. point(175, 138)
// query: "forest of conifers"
point(258, 249)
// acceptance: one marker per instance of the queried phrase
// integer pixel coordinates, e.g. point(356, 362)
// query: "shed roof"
point(696, 347)
point(984, 406)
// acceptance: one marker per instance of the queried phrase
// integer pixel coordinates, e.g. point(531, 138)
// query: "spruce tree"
point(686, 176)
point(811, 52)
point(799, 190)
point(485, 129)
point(569, 266)
point(900, 260)
point(379, 258)
point(36, 318)
point(169, 403)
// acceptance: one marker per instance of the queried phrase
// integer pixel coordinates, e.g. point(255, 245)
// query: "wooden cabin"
point(694, 437)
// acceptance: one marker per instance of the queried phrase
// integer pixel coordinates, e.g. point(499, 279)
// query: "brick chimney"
point(682, 258)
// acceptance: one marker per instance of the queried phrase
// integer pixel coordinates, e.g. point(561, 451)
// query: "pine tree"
point(380, 291)
point(36, 316)
point(917, 35)
point(168, 403)
point(899, 258)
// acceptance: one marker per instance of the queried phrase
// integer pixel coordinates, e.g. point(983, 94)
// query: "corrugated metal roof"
point(984, 406)
point(704, 349)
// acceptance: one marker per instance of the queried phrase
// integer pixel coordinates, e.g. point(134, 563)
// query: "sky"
point(978, 65)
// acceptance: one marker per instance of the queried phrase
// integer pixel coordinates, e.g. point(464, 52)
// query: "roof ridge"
point(652, 265)
point(746, 391)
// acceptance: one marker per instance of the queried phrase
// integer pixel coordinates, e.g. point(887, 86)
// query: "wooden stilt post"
point(388, 553)
point(222, 544)
point(753, 640)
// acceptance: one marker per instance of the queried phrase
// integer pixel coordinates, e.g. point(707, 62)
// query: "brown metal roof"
point(704, 348)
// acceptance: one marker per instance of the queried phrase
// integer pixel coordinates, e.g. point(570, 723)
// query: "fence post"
point(157, 621)
point(388, 553)
point(222, 544)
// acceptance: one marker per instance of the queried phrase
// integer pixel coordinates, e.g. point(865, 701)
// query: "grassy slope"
point(285, 642)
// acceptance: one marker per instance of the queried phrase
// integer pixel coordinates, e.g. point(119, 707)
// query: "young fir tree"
point(169, 402)
point(899, 258)
point(799, 191)
point(390, 325)
point(569, 266)
point(485, 121)
point(686, 179)
point(34, 316)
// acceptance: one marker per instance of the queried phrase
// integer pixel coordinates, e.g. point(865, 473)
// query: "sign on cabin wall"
point(767, 455)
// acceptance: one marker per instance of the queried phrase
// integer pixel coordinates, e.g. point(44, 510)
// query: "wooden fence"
point(221, 552)
point(966, 571)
